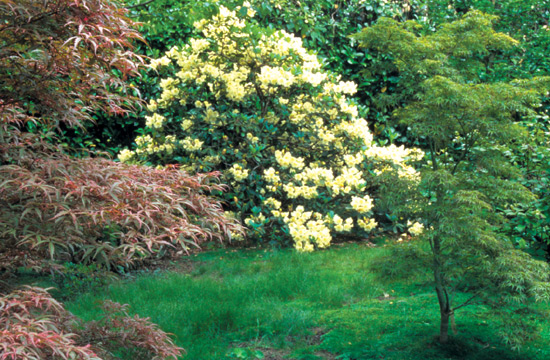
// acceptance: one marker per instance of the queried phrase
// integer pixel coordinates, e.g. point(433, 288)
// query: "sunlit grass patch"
point(322, 305)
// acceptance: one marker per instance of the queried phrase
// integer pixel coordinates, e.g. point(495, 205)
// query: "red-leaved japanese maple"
point(34, 326)
point(60, 60)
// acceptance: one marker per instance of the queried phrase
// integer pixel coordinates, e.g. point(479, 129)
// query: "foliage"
point(35, 326)
point(257, 105)
point(57, 63)
point(117, 329)
point(96, 211)
point(465, 123)
point(323, 25)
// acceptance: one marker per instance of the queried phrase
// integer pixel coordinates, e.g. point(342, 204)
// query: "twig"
point(140, 4)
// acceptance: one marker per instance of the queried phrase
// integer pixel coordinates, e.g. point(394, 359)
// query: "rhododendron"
point(257, 105)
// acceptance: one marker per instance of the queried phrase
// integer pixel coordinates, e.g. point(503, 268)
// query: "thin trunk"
point(442, 294)
point(444, 305)
point(444, 328)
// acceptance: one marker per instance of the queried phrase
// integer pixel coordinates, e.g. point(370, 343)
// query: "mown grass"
point(324, 305)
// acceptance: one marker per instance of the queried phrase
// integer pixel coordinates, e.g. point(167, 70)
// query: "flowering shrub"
point(35, 326)
point(255, 104)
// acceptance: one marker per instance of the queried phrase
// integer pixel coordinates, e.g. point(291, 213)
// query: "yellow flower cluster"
point(350, 179)
point(125, 155)
point(252, 138)
point(270, 76)
point(286, 160)
point(340, 225)
point(191, 144)
point(271, 176)
point(152, 105)
point(307, 228)
point(398, 156)
point(147, 145)
point(186, 124)
point(273, 203)
point(294, 191)
point(317, 175)
point(367, 224)
point(163, 61)
point(415, 229)
point(156, 121)
point(239, 173)
point(395, 154)
point(362, 205)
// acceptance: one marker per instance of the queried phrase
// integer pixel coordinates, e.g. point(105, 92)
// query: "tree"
point(59, 61)
point(465, 125)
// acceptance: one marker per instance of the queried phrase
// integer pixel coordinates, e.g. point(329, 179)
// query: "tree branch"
point(467, 302)
point(140, 4)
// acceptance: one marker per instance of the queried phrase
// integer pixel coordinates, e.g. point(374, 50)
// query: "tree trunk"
point(442, 294)
point(444, 327)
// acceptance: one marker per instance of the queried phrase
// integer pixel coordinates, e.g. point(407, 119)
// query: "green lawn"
point(323, 305)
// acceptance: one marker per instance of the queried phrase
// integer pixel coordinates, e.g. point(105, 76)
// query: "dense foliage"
point(242, 97)
point(35, 326)
point(466, 124)
point(257, 105)
point(97, 211)
point(58, 61)
point(323, 26)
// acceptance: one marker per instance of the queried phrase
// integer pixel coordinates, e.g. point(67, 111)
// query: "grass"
point(323, 305)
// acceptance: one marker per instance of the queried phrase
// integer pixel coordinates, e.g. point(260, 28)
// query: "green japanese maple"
point(464, 124)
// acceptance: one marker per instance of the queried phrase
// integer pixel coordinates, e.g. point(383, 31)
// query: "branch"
point(140, 4)
point(467, 302)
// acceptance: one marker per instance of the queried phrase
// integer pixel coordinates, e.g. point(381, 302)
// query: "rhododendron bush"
point(255, 104)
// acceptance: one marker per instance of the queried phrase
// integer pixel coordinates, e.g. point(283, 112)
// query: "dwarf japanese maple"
point(59, 60)
point(33, 325)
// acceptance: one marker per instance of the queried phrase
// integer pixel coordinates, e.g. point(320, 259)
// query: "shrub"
point(96, 211)
point(255, 104)
point(35, 326)
point(56, 65)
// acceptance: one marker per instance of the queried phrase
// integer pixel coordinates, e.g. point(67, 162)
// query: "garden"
point(274, 179)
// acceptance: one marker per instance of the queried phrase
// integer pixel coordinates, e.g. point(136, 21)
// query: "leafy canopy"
point(465, 125)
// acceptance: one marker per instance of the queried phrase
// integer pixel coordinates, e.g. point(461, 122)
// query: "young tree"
point(464, 124)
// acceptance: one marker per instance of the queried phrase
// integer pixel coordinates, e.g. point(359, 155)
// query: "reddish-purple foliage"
point(58, 56)
point(95, 210)
point(35, 326)
point(57, 63)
